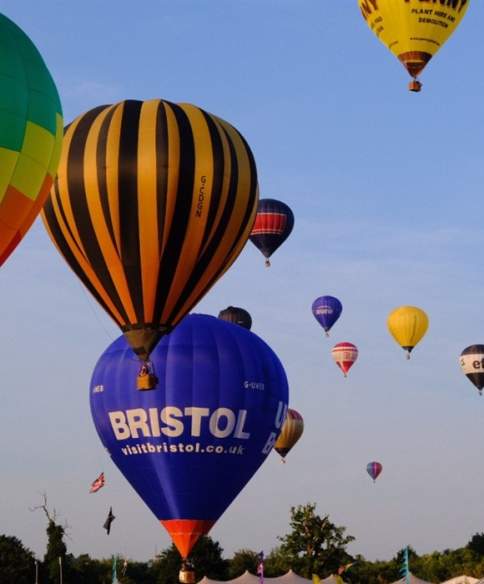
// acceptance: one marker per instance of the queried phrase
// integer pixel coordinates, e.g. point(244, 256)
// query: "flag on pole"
point(115, 572)
point(110, 518)
point(260, 567)
point(97, 484)
point(342, 569)
point(405, 569)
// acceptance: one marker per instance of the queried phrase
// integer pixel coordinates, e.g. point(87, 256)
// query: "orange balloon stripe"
point(61, 186)
point(148, 206)
point(52, 217)
point(98, 220)
point(111, 149)
point(174, 148)
point(200, 205)
point(225, 186)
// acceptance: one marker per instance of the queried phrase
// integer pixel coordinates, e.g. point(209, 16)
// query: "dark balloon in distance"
point(472, 365)
point(189, 446)
point(273, 225)
point(374, 469)
point(236, 315)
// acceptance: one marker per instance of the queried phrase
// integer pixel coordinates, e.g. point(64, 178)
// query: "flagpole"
point(407, 566)
point(36, 571)
point(60, 569)
point(260, 568)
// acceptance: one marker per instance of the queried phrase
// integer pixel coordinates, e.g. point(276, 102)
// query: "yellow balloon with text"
point(413, 30)
point(407, 325)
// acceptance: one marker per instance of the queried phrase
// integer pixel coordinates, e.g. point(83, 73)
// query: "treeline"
point(313, 545)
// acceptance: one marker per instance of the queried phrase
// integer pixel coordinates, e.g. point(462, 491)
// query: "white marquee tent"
point(289, 578)
point(293, 578)
point(413, 580)
point(462, 580)
point(456, 580)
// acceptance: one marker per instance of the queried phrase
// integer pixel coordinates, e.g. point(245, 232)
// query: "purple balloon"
point(327, 310)
point(374, 469)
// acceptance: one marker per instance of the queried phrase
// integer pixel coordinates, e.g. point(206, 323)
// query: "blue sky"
point(386, 187)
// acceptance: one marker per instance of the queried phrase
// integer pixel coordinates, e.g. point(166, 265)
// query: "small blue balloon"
point(327, 310)
point(190, 445)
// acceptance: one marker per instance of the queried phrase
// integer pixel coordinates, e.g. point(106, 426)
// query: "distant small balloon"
point(327, 310)
point(472, 364)
point(292, 430)
point(408, 325)
point(273, 225)
point(345, 355)
point(374, 469)
point(236, 315)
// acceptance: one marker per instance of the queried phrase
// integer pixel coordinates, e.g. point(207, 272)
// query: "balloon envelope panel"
point(189, 446)
point(30, 134)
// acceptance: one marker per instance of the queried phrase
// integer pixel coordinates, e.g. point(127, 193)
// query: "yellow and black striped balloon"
point(292, 430)
point(152, 204)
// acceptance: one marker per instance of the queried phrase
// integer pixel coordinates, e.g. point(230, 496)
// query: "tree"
point(242, 561)
point(206, 558)
point(56, 548)
point(476, 544)
point(136, 573)
point(276, 563)
point(315, 545)
point(86, 569)
point(17, 563)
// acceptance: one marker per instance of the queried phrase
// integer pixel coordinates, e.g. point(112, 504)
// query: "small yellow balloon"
point(413, 30)
point(407, 325)
point(292, 430)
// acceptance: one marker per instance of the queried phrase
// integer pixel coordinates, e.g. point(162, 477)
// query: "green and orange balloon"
point(30, 134)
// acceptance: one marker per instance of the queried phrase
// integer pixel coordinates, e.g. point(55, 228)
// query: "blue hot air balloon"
point(327, 310)
point(189, 446)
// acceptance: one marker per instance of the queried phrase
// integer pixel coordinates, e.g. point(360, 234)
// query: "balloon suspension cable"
point(268, 263)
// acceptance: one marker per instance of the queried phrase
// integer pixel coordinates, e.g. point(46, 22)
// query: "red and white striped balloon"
point(344, 354)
